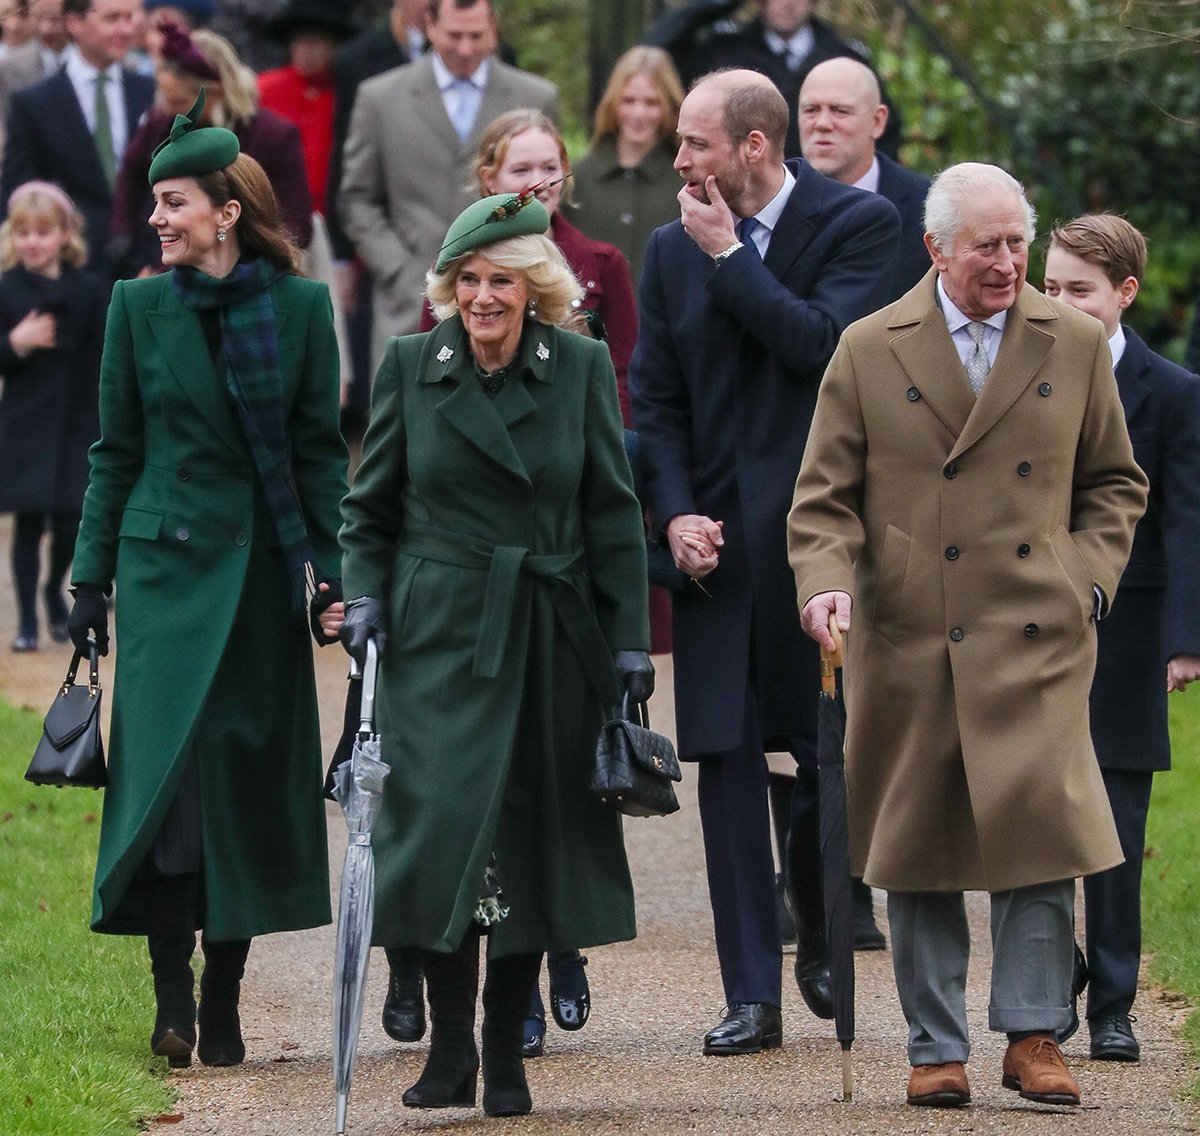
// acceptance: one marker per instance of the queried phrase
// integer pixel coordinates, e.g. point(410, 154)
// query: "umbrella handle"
point(832, 660)
point(367, 714)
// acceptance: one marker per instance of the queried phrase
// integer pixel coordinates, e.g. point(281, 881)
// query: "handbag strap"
point(639, 715)
point(93, 668)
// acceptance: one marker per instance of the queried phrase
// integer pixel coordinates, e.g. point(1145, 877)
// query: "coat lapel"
point(426, 102)
point(1131, 371)
point(72, 129)
point(795, 229)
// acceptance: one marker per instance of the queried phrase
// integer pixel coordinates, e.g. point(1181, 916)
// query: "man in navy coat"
point(742, 302)
point(1150, 643)
point(57, 129)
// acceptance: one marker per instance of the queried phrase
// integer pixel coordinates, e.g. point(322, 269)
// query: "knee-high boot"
point(803, 879)
point(505, 1002)
point(452, 1068)
point(174, 996)
point(220, 988)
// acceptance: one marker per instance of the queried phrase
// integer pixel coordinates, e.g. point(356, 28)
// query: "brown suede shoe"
point(1035, 1068)
point(939, 1086)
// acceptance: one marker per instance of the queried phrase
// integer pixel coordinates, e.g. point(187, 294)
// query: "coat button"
point(241, 539)
point(182, 534)
point(1044, 390)
point(957, 634)
point(952, 553)
point(950, 472)
point(1024, 469)
point(1022, 550)
point(627, 218)
point(912, 394)
point(183, 473)
point(1031, 630)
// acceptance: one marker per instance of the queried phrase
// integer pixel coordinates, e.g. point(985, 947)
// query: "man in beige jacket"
point(968, 491)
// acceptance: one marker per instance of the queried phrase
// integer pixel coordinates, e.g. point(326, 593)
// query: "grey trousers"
point(1032, 956)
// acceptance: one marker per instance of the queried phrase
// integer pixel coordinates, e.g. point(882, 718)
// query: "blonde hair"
point(656, 65)
point(553, 290)
point(496, 139)
point(239, 89)
point(37, 204)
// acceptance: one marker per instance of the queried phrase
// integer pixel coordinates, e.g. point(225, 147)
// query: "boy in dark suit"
point(1095, 264)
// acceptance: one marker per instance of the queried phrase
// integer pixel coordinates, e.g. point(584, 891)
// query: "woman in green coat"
point(493, 548)
point(214, 489)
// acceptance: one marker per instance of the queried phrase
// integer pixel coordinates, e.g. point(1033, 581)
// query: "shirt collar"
point(768, 216)
point(1116, 345)
point(870, 180)
point(956, 321)
point(445, 80)
point(797, 45)
point(80, 70)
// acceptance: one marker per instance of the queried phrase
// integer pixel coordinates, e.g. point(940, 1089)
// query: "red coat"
point(308, 102)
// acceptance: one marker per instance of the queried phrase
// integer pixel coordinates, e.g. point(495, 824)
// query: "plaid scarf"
point(249, 359)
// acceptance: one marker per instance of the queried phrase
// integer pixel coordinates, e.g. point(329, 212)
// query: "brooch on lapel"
point(542, 352)
point(445, 355)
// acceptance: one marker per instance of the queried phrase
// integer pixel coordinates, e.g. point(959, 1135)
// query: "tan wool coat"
point(970, 535)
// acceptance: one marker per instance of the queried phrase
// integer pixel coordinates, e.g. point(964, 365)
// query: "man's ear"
point(1127, 291)
point(879, 124)
point(757, 148)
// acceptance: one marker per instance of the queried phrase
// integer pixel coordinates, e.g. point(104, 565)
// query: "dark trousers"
point(741, 872)
point(1113, 901)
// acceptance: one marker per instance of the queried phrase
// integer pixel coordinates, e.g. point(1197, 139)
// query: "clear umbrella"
point(358, 788)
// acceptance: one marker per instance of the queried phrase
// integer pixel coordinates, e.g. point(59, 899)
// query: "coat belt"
point(510, 569)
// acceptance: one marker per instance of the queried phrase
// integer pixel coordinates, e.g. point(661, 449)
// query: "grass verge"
point(77, 1007)
point(1171, 876)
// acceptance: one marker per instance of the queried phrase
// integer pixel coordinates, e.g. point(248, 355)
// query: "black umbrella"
point(835, 852)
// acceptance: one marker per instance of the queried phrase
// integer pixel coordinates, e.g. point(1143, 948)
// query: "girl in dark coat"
point(51, 315)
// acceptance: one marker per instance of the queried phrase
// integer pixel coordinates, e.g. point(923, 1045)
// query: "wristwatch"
point(725, 254)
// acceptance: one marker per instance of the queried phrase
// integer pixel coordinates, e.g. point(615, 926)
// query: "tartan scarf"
point(249, 361)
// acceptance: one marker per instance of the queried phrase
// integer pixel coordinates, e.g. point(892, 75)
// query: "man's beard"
point(732, 181)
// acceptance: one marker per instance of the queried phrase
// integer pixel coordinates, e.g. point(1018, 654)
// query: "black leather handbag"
point(71, 751)
point(635, 766)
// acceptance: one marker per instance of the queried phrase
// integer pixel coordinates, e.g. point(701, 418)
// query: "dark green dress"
point(214, 671)
point(507, 541)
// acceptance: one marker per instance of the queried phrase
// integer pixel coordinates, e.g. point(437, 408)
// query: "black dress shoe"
point(748, 1027)
point(570, 997)
point(1113, 1040)
point(533, 1037)
point(404, 1006)
point(816, 987)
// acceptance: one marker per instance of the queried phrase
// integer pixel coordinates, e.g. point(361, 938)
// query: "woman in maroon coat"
point(189, 61)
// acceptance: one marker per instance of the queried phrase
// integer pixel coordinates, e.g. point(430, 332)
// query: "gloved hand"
point(88, 613)
point(365, 619)
point(635, 674)
point(321, 601)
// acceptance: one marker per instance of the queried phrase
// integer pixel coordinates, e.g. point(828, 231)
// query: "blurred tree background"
point(1093, 104)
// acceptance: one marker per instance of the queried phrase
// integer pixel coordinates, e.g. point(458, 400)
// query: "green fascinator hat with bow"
point(192, 150)
point(493, 219)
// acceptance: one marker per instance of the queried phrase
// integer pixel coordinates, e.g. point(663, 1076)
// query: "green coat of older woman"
point(210, 643)
point(506, 540)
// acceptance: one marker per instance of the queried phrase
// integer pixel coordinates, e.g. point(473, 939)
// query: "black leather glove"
point(635, 674)
point(319, 602)
point(365, 619)
point(89, 613)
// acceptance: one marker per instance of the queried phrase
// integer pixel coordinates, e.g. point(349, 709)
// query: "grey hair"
point(955, 186)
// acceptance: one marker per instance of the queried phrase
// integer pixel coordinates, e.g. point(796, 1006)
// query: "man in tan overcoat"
point(969, 493)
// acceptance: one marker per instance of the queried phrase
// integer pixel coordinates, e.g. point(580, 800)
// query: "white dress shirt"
point(870, 180)
point(956, 324)
point(1116, 345)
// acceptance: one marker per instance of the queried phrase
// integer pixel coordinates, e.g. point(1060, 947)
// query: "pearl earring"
point(221, 235)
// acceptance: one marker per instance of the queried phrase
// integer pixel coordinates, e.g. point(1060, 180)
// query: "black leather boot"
point(220, 988)
point(505, 1003)
point(174, 1033)
point(803, 872)
point(404, 1006)
point(452, 1068)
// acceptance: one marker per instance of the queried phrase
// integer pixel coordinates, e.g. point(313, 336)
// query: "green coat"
point(212, 660)
point(507, 541)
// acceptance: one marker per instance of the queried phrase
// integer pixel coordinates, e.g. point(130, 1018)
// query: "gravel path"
point(637, 1068)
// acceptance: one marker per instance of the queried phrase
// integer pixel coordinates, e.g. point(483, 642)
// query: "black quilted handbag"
point(635, 766)
point(71, 751)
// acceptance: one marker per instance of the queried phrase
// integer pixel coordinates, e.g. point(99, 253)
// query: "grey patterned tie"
point(977, 361)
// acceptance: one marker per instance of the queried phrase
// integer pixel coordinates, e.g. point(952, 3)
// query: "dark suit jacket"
point(1156, 615)
point(723, 381)
point(48, 138)
point(906, 191)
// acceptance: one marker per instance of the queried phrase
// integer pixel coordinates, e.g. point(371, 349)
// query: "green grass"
point(1171, 879)
point(75, 1008)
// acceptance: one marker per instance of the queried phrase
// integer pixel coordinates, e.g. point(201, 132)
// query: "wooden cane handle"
point(831, 660)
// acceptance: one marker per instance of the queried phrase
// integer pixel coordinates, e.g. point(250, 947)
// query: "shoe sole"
point(1116, 1055)
point(773, 1042)
point(950, 1098)
point(1011, 1082)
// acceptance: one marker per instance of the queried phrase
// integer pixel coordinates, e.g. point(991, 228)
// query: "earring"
point(532, 306)
point(221, 235)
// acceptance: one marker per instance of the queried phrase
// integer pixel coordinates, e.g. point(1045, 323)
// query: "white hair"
point(958, 185)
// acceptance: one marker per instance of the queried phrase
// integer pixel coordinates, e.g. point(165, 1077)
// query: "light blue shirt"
point(768, 216)
point(460, 97)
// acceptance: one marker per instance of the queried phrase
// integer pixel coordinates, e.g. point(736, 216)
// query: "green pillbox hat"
point(192, 150)
point(490, 220)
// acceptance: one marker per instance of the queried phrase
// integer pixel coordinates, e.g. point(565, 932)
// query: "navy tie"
point(745, 232)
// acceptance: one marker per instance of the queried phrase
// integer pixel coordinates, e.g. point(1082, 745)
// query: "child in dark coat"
point(51, 325)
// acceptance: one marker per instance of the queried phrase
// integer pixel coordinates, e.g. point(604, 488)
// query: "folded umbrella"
point(358, 788)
